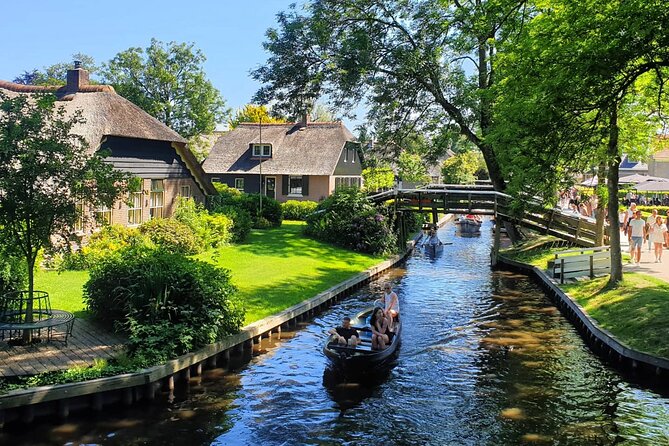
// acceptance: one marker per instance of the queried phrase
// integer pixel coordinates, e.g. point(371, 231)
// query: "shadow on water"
point(349, 391)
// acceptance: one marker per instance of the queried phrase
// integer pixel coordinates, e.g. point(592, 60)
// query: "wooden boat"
point(433, 245)
point(361, 359)
point(468, 224)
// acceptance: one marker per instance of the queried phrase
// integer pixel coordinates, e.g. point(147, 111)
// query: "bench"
point(14, 310)
point(56, 318)
point(580, 262)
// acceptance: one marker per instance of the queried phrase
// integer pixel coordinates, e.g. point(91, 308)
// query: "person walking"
point(658, 232)
point(650, 221)
point(637, 232)
point(629, 216)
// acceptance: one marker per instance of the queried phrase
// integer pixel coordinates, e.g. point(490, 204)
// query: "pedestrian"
point(629, 216)
point(657, 235)
point(650, 221)
point(637, 232)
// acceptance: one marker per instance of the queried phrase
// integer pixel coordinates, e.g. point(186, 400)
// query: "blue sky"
point(229, 32)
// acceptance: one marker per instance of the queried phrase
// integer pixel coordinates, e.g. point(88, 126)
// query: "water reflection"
point(485, 360)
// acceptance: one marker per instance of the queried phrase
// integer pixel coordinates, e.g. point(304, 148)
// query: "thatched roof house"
point(300, 160)
point(138, 143)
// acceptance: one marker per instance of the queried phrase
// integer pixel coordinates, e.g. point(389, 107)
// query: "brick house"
point(138, 143)
point(300, 160)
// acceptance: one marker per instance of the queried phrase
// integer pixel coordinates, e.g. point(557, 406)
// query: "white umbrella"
point(638, 178)
point(653, 186)
point(592, 182)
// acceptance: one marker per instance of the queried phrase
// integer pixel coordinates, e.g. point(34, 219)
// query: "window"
point(347, 182)
point(103, 216)
point(346, 155)
point(156, 199)
point(185, 191)
point(79, 222)
point(295, 185)
point(135, 208)
point(239, 184)
point(262, 150)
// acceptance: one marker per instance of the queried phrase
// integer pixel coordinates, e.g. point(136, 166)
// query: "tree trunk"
point(601, 206)
point(614, 164)
point(28, 334)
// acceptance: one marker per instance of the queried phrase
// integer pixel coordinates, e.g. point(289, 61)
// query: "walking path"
point(647, 265)
point(87, 343)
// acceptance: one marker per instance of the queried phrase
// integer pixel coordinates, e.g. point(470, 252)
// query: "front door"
point(270, 187)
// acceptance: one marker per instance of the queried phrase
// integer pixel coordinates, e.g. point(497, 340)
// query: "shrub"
point(107, 241)
point(298, 210)
point(211, 230)
point(166, 303)
point(241, 221)
point(348, 219)
point(227, 196)
point(13, 273)
point(172, 236)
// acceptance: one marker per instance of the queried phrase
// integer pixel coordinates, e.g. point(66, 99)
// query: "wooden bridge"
point(484, 200)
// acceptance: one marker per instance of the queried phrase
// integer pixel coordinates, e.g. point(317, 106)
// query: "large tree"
point(45, 170)
point(416, 63)
point(254, 113)
point(571, 87)
point(168, 81)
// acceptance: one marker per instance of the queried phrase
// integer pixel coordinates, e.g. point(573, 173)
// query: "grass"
point(65, 289)
point(636, 311)
point(535, 251)
point(280, 267)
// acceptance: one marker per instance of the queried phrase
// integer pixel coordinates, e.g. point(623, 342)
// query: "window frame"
point(186, 195)
point(103, 215)
point(237, 184)
point(136, 199)
point(259, 150)
point(294, 191)
point(156, 199)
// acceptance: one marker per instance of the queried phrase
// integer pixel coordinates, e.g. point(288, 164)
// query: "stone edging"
point(130, 387)
point(600, 340)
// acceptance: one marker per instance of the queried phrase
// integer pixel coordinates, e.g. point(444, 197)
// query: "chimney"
point(304, 122)
point(76, 78)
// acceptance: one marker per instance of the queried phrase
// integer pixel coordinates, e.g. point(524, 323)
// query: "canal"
point(485, 359)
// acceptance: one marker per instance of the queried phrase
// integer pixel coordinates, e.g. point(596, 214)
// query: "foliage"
point(57, 73)
point(212, 230)
point(13, 273)
point(44, 171)
point(167, 80)
point(346, 218)
point(298, 210)
point(241, 220)
point(254, 113)
point(110, 239)
point(462, 168)
point(172, 236)
point(145, 290)
point(378, 178)
point(229, 197)
point(410, 168)
point(412, 61)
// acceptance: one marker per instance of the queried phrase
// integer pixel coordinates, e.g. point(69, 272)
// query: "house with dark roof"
point(137, 143)
point(292, 161)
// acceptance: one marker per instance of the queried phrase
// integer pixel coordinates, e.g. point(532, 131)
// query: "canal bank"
point(601, 341)
point(486, 359)
point(60, 400)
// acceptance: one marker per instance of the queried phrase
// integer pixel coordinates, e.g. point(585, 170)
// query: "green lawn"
point(273, 269)
point(277, 268)
point(64, 288)
point(636, 312)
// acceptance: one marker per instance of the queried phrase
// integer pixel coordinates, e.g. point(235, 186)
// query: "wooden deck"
point(87, 343)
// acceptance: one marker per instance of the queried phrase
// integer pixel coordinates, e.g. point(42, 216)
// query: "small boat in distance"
point(433, 244)
point(468, 224)
point(361, 359)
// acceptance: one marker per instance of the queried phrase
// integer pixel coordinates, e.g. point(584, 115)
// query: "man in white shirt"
point(637, 230)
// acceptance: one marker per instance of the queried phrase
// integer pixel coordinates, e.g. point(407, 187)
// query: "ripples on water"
point(485, 360)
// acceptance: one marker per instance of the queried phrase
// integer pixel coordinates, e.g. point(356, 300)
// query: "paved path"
point(647, 265)
point(87, 343)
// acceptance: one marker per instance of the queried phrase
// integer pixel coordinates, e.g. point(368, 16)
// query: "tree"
point(254, 113)
point(564, 101)
point(56, 74)
point(376, 178)
point(45, 171)
point(410, 60)
point(168, 82)
point(410, 168)
point(462, 168)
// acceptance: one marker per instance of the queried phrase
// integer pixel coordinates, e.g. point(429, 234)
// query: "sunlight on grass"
point(636, 311)
point(65, 289)
point(280, 267)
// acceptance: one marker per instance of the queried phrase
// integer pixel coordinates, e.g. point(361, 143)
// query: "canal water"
point(485, 359)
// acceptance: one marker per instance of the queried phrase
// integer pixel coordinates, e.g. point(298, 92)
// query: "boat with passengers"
point(362, 358)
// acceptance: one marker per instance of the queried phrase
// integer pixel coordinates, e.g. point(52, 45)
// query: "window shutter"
point(284, 184)
point(305, 185)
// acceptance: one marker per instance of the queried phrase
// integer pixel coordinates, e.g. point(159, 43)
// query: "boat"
point(433, 244)
point(361, 359)
point(468, 224)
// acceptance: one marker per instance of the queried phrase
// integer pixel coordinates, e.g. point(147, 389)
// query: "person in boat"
point(346, 335)
point(381, 335)
point(391, 305)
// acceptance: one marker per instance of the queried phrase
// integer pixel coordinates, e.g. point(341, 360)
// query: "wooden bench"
point(580, 262)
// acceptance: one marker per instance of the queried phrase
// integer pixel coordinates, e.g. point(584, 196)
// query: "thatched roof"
point(296, 149)
point(105, 112)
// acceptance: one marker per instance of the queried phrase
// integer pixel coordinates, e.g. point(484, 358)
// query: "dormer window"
point(262, 150)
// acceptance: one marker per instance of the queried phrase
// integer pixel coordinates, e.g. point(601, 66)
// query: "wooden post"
point(496, 243)
point(170, 383)
point(562, 270)
point(198, 369)
point(150, 391)
point(278, 332)
point(592, 266)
